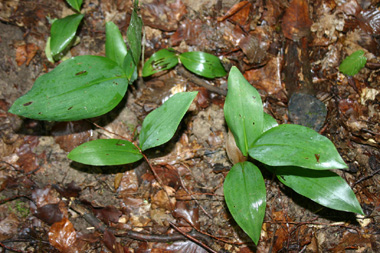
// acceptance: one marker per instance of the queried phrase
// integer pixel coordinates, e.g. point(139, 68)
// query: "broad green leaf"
point(295, 145)
point(161, 60)
point(130, 67)
point(245, 195)
point(105, 152)
point(269, 122)
point(116, 49)
point(203, 64)
point(243, 111)
point(76, 4)
point(322, 186)
point(353, 63)
point(81, 87)
point(160, 125)
point(63, 32)
point(134, 34)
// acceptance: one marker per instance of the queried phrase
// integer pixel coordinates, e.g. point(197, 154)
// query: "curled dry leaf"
point(62, 235)
point(233, 152)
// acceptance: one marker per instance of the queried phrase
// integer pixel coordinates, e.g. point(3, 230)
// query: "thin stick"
point(192, 238)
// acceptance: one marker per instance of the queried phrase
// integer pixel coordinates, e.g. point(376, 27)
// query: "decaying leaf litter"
point(280, 47)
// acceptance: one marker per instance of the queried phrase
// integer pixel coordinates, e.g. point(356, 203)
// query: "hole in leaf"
point(84, 72)
point(317, 156)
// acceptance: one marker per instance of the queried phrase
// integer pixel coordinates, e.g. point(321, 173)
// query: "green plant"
point(86, 86)
point(298, 156)
point(353, 63)
point(62, 33)
point(89, 86)
point(200, 63)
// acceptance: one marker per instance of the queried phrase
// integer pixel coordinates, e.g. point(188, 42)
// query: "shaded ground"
point(48, 203)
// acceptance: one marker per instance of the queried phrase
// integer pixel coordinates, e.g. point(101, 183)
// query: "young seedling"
point(299, 157)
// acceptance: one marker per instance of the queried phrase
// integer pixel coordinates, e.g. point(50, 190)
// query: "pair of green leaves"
point(157, 128)
point(200, 63)
point(85, 86)
point(302, 156)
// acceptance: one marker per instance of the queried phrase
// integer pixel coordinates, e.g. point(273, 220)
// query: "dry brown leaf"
point(296, 22)
point(62, 236)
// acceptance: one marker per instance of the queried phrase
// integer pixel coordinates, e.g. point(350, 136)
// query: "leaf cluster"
point(200, 63)
point(299, 157)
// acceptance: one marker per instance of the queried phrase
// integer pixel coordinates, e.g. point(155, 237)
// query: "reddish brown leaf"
point(50, 213)
point(25, 53)
point(268, 78)
point(188, 211)
point(109, 240)
point(62, 235)
point(296, 22)
point(21, 55)
point(238, 13)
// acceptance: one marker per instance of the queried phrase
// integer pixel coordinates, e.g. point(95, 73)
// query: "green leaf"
point(116, 49)
point(269, 122)
point(322, 186)
point(295, 145)
point(48, 51)
point(160, 125)
point(75, 4)
point(105, 152)
point(81, 87)
point(245, 195)
point(243, 111)
point(130, 67)
point(161, 60)
point(134, 34)
point(63, 32)
point(353, 63)
point(203, 64)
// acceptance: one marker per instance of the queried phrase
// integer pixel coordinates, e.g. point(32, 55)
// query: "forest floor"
point(51, 204)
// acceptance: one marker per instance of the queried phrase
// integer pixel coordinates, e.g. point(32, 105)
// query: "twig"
point(192, 238)
point(9, 248)
point(198, 81)
point(193, 198)
point(367, 177)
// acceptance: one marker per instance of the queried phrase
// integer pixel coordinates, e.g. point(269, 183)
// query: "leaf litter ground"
point(45, 197)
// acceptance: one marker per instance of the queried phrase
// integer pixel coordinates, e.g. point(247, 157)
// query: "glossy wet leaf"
point(203, 64)
point(76, 4)
point(161, 60)
point(63, 32)
point(134, 34)
point(245, 195)
point(116, 49)
point(243, 111)
point(294, 145)
point(322, 186)
point(105, 152)
point(81, 87)
point(160, 125)
point(353, 63)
